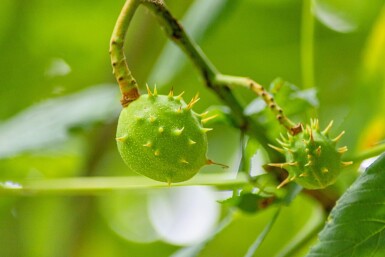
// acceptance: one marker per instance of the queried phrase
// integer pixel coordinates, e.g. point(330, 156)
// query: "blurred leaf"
point(41, 165)
point(293, 189)
point(39, 216)
point(331, 15)
point(356, 224)
point(48, 123)
point(222, 151)
point(254, 157)
point(34, 33)
point(255, 106)
point(58, 67)
point(126, 213)
point(374, 59)
point(221, 113)
point(292, 98)
point(366, 113)
point(343, 16)
point(288, 96)
point(300, 218)
point(5, 12)
point(373, 132)
point(261, 237)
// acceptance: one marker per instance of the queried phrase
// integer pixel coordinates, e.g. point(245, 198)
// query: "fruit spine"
point(312, 159)
point(162, 138)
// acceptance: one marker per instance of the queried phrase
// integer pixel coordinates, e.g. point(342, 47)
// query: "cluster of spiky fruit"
point(312, 159)
point(161, 137)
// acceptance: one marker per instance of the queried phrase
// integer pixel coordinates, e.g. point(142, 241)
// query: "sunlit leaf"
point(255, 157)
point(333, 17)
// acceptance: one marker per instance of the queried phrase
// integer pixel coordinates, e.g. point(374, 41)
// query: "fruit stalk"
point(267, 98)
point(127, 83)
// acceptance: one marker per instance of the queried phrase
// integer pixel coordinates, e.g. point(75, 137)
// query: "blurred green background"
point(59, 104)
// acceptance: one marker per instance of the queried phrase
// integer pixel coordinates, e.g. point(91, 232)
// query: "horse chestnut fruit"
point(312, 159)
point(161, 137)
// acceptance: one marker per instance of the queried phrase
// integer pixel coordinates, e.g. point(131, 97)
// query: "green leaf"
point(288, 96)
point(49, 122)
point(249, 202)
point(356, 226)
point(292, 98)
point(254, 157)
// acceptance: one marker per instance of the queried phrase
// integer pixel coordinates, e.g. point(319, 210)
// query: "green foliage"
point(64, 190)
point(355, 227)
point(295, 220)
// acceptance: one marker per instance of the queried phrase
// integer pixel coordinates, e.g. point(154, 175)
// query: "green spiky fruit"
point(312, 159)
point(160, 137)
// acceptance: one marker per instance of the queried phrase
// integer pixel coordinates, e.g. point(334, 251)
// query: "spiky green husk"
point(160, 137)
point(312, 159)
